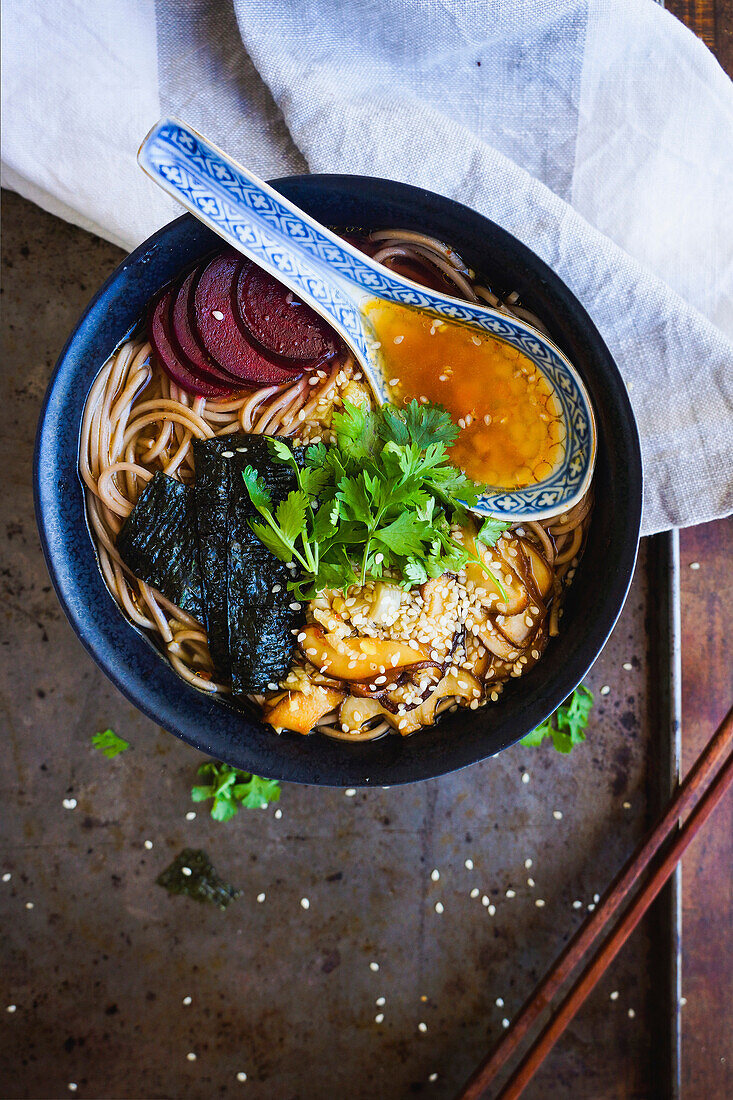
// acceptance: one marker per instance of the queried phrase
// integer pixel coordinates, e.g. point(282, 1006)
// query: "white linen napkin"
point(599, 132)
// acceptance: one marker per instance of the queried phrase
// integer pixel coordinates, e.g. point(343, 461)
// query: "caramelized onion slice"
point(300, 712)
point(358, 658)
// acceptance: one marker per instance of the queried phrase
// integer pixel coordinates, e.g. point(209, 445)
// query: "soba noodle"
point(137, 420)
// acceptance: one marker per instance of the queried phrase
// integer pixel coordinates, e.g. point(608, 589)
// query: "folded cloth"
point(593, 130)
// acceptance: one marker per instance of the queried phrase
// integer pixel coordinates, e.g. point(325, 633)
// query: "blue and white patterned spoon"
point(338, 281)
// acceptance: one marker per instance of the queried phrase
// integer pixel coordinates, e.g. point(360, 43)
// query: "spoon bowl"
point(339, 282)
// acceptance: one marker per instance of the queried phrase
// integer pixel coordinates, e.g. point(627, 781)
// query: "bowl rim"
point(147, 686)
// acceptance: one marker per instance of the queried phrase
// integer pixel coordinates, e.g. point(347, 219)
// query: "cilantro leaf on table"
point(109, 743)
point(229, 788)
point(566, 727)
point(377, 502)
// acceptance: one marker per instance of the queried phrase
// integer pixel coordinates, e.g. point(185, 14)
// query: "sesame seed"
point(683, 1002)
point(190, 815)
point(11, 1008)
point(627, 805)
point(186, 871)
point(525, 777)
point(527, 864)
point(557, 814)
point(350, 792)
point(435, 874)
point(484, 900)
point(694, 565)
point(422, 1027)
point(577, 904)
point(379, 1018)
point(614, 995)
point(191, 1056)
point(596, 898)
point(148, 844)
point(394, 381)
point(69, 803)
point(187, 1000)
point(499, 1002)
point(72, 1086)
point(474, 892)
point(7, 876)
point(398, 339)
point(511, 893)
point(631, 1014)
point(261, 898)
point(374, 966)
point(433, 1077)
point(278, 814)
point(492, 910)
point(439, 907)
point(380, 1001)
point(29, 905)
point(590, 907)
point(505, 1022)
point(628, 666)
point(227, 454)
point(241, 1076)
point(304, 903)
point(605, 689)
point(217, 314)
point(539, 902)
point(468, 864)
point(530, 881)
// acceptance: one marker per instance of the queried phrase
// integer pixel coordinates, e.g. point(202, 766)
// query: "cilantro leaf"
point(418, 424)
point(257, 793)
point(259, 494)
point(566, 727)
point(291, 515)
point(491, 529)
point(229, 788)
point(356, 431)
point(378, 502)
point(109, 743)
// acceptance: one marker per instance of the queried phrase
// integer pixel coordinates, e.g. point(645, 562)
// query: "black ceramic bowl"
point(138, 669)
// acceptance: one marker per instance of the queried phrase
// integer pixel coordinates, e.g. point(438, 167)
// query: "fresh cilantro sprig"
point(566, 727)
point(377, 503)
point(109, 743)
point(231, 788)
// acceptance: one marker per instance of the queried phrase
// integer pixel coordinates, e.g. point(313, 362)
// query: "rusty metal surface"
point(99, 967)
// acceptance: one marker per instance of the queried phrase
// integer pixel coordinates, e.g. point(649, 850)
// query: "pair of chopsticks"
point(595, 944)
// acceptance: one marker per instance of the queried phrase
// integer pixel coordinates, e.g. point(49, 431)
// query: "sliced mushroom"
point(494, 640)
point(518, 629)
point(358, 658)
point(539, 569)
point(355, 712)
point(515, 596)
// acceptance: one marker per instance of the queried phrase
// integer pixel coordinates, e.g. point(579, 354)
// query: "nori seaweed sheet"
point(211, 494)
point(203, 884)
point(158, 542)
point(249, 625)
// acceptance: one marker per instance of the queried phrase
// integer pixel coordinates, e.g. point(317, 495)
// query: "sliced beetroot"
point(185, 339)
point(215, 322)
point(170, 359)
point(279, 321)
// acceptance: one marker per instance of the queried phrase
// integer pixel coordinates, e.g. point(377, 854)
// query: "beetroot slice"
point(215, 323)
point(278, 321)
point(168, 357)
point(185, 340)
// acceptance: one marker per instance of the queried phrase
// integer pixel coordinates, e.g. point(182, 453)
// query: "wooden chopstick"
point(704, 786)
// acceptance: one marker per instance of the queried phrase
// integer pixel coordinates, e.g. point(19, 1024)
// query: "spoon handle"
point(324, 271)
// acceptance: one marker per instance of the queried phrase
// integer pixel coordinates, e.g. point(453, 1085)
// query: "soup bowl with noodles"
point(119, 427)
